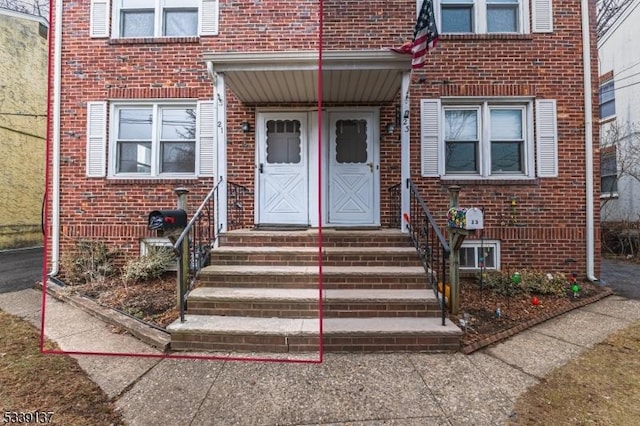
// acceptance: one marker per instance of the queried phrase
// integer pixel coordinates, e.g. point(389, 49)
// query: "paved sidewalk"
point(403, 389)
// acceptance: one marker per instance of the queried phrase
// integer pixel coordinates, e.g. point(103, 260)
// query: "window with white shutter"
point(430, 136)
point(547, 138)
point(481, 16)
point(477, 139)
point(206, 135)
point(542, 11)
point(96, 139)
point(164, 18)
point(99, 19)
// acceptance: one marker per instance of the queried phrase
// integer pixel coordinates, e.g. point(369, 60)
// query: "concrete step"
point(304, 303)
point(310, 256)
point(334, 277)
point(247, 334)
point(310, 238)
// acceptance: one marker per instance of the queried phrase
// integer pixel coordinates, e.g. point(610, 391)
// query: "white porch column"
point(221, 146)
point(405, 155)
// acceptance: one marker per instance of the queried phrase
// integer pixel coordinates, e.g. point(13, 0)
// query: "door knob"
point(370, 166)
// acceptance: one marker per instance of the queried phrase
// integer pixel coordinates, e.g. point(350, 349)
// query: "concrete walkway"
point(400, 388)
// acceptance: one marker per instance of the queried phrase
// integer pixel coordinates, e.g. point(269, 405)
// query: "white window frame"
point(479, 245)
point(484, 132)
point(479, 17)
point(604, 154)
point(207, 11)
point(155, 106)
point(145, 243)
point(612, 99)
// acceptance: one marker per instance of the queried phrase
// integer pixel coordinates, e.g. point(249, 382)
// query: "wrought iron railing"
point(431, 244)
point(395, 211)
point(200, 235)
point(237, 197)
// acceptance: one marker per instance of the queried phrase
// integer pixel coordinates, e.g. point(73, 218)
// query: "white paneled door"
point(282, 169)
point(353, 170)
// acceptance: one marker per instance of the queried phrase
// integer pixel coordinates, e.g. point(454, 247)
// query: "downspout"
point(55, 139)
point(588, 139)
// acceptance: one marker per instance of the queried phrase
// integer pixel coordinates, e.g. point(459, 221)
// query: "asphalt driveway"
point(20, 269)
point(622, 277)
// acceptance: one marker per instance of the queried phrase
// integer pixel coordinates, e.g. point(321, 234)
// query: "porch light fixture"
point(391, 128)
point(245, 127)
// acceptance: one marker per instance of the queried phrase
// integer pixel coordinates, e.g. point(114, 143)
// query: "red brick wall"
point(550, 231)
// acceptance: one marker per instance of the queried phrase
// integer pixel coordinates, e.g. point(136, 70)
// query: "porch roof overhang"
point(360, 76)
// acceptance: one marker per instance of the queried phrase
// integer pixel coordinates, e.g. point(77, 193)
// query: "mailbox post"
point(171, 223)
point(183, 270)
point(462, 222)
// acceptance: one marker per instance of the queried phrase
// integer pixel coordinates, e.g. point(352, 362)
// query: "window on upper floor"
point(608, 172)
point(607, 99)
point(481, 16)
point(488, 139)
point(153, 18)
point(151, 139)
point(493, 16)
point(156, 18)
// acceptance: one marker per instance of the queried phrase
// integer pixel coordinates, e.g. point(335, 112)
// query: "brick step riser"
point(307, 282)
point(265, 241)
point(331, 343)
point(293, 259)
point(243, 308)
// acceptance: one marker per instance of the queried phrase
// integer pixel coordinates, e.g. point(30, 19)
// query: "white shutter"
point(206, 138)
point(209, 12)
point(542, 16)
point(429, 136)
point(96, 139)
point(99, 25)
point(546, 138)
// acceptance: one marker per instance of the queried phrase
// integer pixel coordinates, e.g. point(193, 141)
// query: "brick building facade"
point(153, 97)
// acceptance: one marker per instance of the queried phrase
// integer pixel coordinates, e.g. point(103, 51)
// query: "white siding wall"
point(619, 51)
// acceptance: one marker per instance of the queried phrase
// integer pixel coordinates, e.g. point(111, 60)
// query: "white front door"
point(282, 172)
point(353, 170)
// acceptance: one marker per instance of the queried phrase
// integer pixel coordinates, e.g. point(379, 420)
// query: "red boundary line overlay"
point(173, 356)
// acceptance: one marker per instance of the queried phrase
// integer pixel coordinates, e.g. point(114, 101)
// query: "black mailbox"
point(162, 220)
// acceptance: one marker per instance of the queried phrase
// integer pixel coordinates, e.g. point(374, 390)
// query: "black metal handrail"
point(395, 207)
point(237, 197)
point(431, 244)
point(200, 234)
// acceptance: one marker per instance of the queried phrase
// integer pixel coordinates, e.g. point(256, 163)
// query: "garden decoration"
point(516, 278)
point(498, 313)
point(535, 301)
point(575, 289)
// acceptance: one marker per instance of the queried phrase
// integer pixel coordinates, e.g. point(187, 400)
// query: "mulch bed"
point(517, 313)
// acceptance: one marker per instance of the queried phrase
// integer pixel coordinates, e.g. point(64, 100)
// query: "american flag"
point(425, 34)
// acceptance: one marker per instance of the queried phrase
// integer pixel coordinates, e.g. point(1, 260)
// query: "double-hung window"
point(607, 99)
point(154, 140)
point(608, 172)
point(481, 16)
point(157, 18)
point(485, 140)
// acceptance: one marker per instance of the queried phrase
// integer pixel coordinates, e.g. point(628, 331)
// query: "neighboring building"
point(23, 108)
point(619, 69)
point(159, 94)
